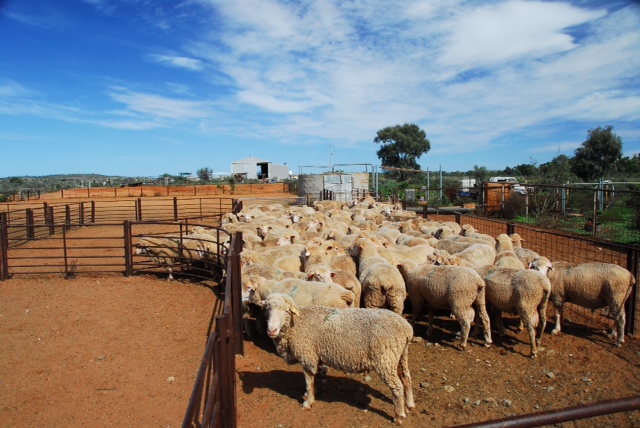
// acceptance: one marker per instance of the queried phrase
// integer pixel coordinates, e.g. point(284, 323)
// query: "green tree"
point(480, 173)
point(204, 174)
point(402, 145)
point(556, 171)
point(598, 155)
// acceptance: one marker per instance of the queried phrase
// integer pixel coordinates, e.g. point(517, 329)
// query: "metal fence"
point(607, 211)
point(104, 248)
point(557, 245)
point(213, 401)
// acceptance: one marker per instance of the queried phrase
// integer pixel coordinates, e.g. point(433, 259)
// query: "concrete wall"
point(313, 185)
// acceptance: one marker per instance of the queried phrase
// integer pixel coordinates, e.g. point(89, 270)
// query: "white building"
point(253, 168)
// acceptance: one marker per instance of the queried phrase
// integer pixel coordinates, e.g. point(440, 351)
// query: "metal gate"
point(341, 185)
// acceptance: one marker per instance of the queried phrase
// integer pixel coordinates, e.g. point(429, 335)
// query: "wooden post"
point(93, 211)
point(30, 223)
point(175, 208)
point(139, 209)
point(128, 259)
point(67, 217)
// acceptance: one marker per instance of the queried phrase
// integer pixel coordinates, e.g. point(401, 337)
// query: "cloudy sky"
point(143, 88)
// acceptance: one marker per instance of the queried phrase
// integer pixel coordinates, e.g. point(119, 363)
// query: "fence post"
point(52, 227)
point(425, 211)
point(236, 297)
point(128, 259)
point(511, 228)
point(633, 258)
point(93, 211)
point(67, 217)
point(81, 213)
point(30, 224)
point(175, 208)
point(4, 245)
point(139, 209)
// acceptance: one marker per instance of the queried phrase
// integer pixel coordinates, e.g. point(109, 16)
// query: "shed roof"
point(251, 159)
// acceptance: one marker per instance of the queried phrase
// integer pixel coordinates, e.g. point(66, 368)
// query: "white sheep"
point(382, 284)
point(348, 280)
point(525, 255)
point(256, 288)
point(593, 286)
point(525, 291)
point(168, 251)
point(455, 288)
point(352, 340)
point(506, 257)
point(474, 256)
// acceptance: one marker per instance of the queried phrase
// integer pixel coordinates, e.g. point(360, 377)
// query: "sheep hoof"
point(555, 331)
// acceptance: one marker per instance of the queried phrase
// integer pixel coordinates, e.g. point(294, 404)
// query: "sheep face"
point(279, 311)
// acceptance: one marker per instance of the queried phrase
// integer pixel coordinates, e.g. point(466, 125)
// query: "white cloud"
point(160, 107)
point(177, 61)
point(493, 34)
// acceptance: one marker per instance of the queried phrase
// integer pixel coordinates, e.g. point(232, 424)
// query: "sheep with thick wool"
point(506, 257)
point(525, 291)
point(455, 288)
point(382, 284)
point(352, 340)
point(525, 255)
point(324, 273)
point(256, 288)
point(593, 286)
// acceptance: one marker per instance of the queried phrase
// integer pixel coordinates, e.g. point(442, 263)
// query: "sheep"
point(506, 257)
point(455, 288)
point(167, 251)
point(382, 284)
point(256, 288)
point(469, 231)
point(321, 254)
point(525, 255)
point(396, 253)
point(344, 262)
point(526, 291)
point(474, 256)
point(594, 286)
point(271, 272)
point(269, 255)
point(348, 280)
point(352, 340)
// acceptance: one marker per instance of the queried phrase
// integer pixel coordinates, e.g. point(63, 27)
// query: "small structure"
point(260, 169)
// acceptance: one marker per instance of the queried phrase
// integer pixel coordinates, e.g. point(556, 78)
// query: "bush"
point(514, 206)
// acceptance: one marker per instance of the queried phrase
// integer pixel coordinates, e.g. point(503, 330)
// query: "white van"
point(511, 181)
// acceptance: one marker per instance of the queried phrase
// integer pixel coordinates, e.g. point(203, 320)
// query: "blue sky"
point(143, 88)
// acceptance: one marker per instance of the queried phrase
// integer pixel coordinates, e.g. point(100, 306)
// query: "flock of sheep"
point(331, 282)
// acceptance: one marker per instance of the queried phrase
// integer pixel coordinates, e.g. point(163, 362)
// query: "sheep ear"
point(294, 311)
point(311, 275)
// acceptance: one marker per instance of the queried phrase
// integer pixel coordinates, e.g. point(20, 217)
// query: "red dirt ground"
point(115, 351)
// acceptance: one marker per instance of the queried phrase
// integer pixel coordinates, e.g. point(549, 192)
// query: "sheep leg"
point(618, 327)
point(309, 380)
point(391, 378)
point(542, 317)
point(405, 377)
point(481, 311)
point(431, 317)
point(464, 318)
point(558, 310)
point(498, 317)
point(530, 322)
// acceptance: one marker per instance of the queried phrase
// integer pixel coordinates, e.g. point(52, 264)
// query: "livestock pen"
point(67, 235)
